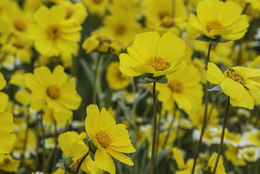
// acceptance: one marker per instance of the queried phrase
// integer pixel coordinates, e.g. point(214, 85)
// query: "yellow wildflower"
point(55, 89)
point(53, 34)
point(250, 154)
point(220, 167)
point(3, 96)
point(184, 168)
point(111, 139)
point(97, 7)
point(232, 155)
point(217, 18)
point(183, 88)
point(153, 54)
point(8, 164)
point(72, 145)
point(116, 80)
point(239, 83)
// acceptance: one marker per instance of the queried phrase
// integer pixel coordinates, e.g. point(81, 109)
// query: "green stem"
point(170, 127)
point(95, 80)
point(222, 135)
point(152, 170)
point(81, 161)
point(205, 114)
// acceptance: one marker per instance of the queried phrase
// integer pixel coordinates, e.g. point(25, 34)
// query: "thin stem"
point(81, 161)
point(222, 135)
point(170, 127)
point(205, 113)
point(158, 134)
point(95, 80)
point(152, 170)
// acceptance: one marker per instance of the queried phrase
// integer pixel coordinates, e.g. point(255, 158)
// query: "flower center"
point(120, 29)
point(176, 86)
point(104, 39)
point(18, 44)
point(54, 32)
point(97, 1)
point(158, 64)
point(167, 22)
point(163, 14)
point(230, 73)
point(214, 25)
point(53, 91)
point(103, 139)
point(20, 25)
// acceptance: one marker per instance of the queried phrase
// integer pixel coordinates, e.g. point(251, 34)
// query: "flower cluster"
point(129, 86)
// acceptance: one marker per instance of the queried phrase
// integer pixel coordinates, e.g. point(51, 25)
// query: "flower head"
point(111, 139)
point(153, 54)
point(217, 18)
point(241, 84)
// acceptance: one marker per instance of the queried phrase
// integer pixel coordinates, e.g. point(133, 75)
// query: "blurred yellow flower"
point(184, 168)
point(250, 154)
point(53, 34)
point(97, 7)
point(239, 83)
point(220, 167)
point(116, 80)
point(111, 139)
point(153, 54)
point(183, 88)
point(72, 145)
point(232, 155)
point(8, 164)
point(3, 96)
point(55, 89)
point(102, 43)
point(217, 18)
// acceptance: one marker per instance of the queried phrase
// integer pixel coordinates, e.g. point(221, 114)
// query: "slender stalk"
point(152, 169)
point(222, 135)
point(205, 114)
point(170, 127)
point(95, 80)
point(81, 161)
point(158, 134)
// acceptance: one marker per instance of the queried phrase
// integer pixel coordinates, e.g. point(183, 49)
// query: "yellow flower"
point(183, 168)
point(232, 155)
point(111, 139)
point(55, 89)
point(53, 34)
point(166, 15)
point(220, 167)
point(198, 116)
point(97, 7)
point(8, 164)
point(17, 21)
point(153, 54)
point(102, 43)
point(76, 13)
point(117, 27)
point(72, 145)
point(23, 95)
point(253, 137)
point(217, 18)
point(3, 96)
point(116, 80)
point(62, 117)
point(232, 138)
point(18, 48)
point(239, 83)
point(7, 138)
point(254, 3)
point(250, 154)
point(184, 88)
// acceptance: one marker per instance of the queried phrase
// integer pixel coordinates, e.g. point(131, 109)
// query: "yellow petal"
point(178, 157)
point(43, 76)
point(171, 48)
point(92, 118)
point(23, 97)
point(254, 90)
point(106, 120)
point(229, 13)
point(3, 102)
point(104, 161)
point(121, 157)
point(59, 75)
point(126, 64)
point(2, 81)
point(214, 75)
